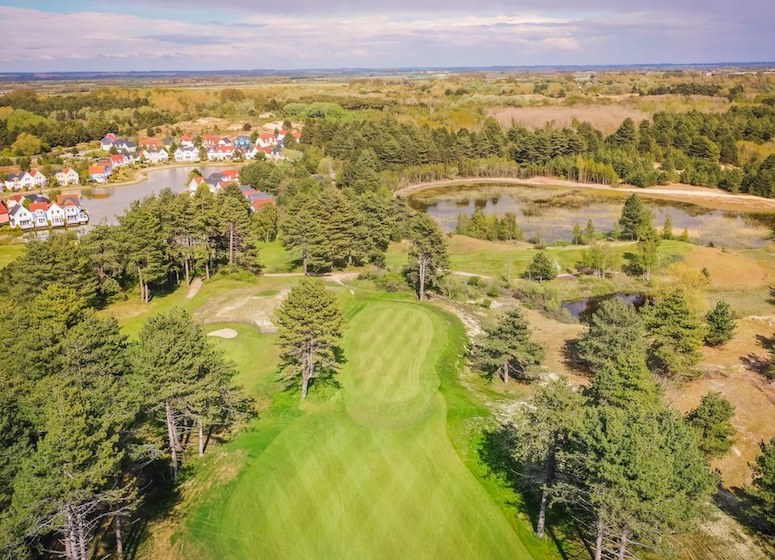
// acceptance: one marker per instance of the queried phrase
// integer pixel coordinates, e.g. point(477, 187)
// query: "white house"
point(187, 141)
point(20, 217)
point(56, 215)
point(220, 153)
point(187, 153)
point(71, 204)
point(39, 211)
point(155, 156)
point(266, 140)
point(107, 142)
point(67, 176)
point(38, 179)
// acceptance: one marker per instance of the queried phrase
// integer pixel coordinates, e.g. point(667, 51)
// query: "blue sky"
point(73, 35)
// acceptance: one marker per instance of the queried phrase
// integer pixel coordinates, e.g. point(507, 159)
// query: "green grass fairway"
point(370, 472)
point(8, 253)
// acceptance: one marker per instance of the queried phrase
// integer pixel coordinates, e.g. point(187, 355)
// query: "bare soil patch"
point(245, 305)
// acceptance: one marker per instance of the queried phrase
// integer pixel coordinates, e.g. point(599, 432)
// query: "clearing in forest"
point(370, 473)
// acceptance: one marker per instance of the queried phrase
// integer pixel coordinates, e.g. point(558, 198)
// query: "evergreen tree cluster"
point(491, 227)
point(91, 421)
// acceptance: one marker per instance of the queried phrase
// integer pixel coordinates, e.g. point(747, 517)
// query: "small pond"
point(583, 309)
point(549, 213)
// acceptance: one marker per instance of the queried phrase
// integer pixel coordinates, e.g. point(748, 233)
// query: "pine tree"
point(542, 267)
point(615, 330)
point(506, 350)
point(589, 232)
point(647, 256)
point(712, 422)
point(266, 222)
point(763, 488)
point(721, 324)
point(635, 219)
point(578, 237)
point(543, 433)
point(143, 243)
point(428, 260)
point(179, 370)
point(667, 227)
point(309, 327)
point(677, 334)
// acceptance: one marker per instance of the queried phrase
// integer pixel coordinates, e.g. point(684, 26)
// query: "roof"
point(3, 208)
point(186, 137)
point(230, 173)
point(95, 169)
point(17, 209)
point(38, 206)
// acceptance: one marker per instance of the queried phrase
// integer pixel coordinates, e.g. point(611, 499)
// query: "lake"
point(549, 213)
point(106, 202)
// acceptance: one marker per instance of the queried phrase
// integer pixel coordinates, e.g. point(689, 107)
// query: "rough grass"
point(274, 258)
point(8, 253)
point(370, 473)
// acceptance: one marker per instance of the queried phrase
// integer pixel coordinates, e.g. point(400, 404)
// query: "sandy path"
point(678, 191)
point(194, 287)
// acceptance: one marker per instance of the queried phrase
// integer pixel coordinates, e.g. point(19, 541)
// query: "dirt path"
point(673, 191)
point(194, 287)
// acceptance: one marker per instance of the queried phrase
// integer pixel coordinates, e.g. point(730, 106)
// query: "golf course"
point(369, 470)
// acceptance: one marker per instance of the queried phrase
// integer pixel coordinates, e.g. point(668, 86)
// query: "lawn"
point(368, 471)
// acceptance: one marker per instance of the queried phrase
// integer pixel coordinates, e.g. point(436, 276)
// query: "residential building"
point(20, 217)
point(220, 153)
point(99, 173)
point(4, 218)
point(187, 153)
point(71, 204)
point(56, 215)
point(187, 141)
point(155, 156)
point(67, 176)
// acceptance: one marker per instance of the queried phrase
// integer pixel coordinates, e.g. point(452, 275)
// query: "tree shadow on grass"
point(497, 452)
point(771, 299)
point(755, 363)
point(571, 359)
point(739, 504)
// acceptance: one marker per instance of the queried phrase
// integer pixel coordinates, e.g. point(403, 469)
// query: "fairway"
point(370, 473)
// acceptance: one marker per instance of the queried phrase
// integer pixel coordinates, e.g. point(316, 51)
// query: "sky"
point(105, 35)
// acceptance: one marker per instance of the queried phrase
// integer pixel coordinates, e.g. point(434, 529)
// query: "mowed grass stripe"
point(334, 486)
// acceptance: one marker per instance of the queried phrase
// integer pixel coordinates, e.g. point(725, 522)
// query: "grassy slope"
point(9, 252)
point(370, 472)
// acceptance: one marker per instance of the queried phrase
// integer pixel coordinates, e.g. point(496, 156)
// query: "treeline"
point(93, 423)
point(686, 88)
point(687, 146)
point(67, 120)
point(490, 227)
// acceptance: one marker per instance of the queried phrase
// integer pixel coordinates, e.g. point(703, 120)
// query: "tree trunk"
point(548, 480)
point(599, 538)
point(622, 544)
point(201, 438)
point(81, 538)
point(185, 268)
point(422, 278)
point(207, 268)
point(172, 435)
point(119, 536)
point(506, 371)
point(306, 372)
point(305, 260)
point(71, 538)
point(231, 245)
point(142, 287)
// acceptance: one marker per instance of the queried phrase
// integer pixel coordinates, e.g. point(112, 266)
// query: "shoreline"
point(142, 175)
point(679, 192)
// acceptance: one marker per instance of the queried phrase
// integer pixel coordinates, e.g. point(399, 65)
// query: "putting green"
point(368, 474)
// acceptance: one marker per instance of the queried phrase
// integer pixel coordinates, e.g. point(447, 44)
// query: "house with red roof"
point(186, 140)
point(230, 174)
point(150, 143)
point(99, 173)
point(4, 218)
point(71, 204)
point(220, 153)
point(39, 210)
point(210, 140)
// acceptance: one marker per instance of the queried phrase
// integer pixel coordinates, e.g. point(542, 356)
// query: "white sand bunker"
point(223, 333)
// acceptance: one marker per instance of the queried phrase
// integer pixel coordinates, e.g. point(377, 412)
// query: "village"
point(35, 211)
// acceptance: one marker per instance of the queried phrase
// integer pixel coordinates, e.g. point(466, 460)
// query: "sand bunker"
point(223, 333)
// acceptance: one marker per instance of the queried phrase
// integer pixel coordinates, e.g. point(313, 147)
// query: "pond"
point(549, 213)
point(105, 202)
point(583, 309)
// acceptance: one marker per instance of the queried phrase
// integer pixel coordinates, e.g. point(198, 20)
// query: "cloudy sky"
point(72, 35)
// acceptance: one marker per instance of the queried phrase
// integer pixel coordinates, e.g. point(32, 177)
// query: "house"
point(38, 179)
point(20, 217)
point(155, 156)
point(13, 181)
point(128, 157)
point(274, 153)
point(150, 143)
point(266, 139)
point(117, 160)
point(107, 142)
point(210, 140)
point(256, 198)
point(4, 219)
point(39, 211)
point(220, 153)
point(125, 145)
point(71, 205)
point(99, 173)
point(187, 141)
point(295, 133)
point(67, 176)
point(56, 215)
point(230, 174)
point(243, 142)
point(187, 153)
point(194, 184)
point(168, 143)
point(225, 141)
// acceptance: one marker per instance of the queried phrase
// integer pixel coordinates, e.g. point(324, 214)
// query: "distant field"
point(607, 118)
point(369, 474)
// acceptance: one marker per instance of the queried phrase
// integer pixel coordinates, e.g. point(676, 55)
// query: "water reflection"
point(551, 213)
